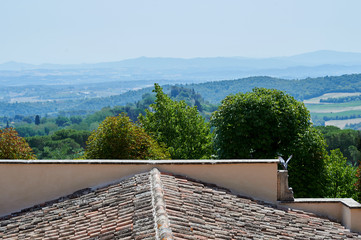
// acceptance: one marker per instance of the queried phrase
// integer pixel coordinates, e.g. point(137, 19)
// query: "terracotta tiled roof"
point(156, 205)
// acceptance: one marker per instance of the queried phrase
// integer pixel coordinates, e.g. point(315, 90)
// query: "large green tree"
point(267, 123)
point(179, 126)
point(120, 138)
point(12, 146)
point(258, 124)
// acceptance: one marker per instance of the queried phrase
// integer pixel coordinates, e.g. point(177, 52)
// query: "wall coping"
point(140, 162)
point(348, 202)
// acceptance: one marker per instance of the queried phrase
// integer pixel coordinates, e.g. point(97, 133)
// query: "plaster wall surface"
point(356, 219)
point(344, 210)
point(332, 210)
point(27, 183)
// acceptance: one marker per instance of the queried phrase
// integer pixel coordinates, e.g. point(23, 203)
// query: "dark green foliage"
point(342, 99)
point(267, 123)
point(307, 88)
point(178, 126)
point(307, 172)
point(62, 121)
point(120, 138)
point(192, 99)
point(341, 177)
point(12, 146)
point(37, 120)
point(347, 140)
point(76, 119)
point(63, 144)
point(26, 131)
point(62, 149)
point(258, 124)
point(80, 137)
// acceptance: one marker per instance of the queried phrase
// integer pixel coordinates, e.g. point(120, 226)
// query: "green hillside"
point(212, 92)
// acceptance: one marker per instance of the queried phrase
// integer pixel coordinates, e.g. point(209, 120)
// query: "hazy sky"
point(87, 31)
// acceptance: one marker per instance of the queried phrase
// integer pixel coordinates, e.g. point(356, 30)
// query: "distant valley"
point(51, 89)
point(212, 92)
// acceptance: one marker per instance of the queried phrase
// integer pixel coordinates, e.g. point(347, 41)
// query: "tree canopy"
point(267, 123)
point(258, 124)
point(178, 126)
point(63, 144)
point(347, 140)
point(12, 146)
point(120, 138)
point(341, 177)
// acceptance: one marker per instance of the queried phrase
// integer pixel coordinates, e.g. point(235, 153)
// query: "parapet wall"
point(344, 210)
point(27, 183)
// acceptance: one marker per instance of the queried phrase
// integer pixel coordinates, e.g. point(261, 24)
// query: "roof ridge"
point(161, 220)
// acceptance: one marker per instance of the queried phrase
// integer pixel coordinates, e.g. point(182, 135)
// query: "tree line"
point(341, 99)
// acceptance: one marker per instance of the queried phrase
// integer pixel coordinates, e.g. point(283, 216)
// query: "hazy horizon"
point(184, 58)
point(93, 31)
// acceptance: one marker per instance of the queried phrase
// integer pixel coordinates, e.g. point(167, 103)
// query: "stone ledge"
point(154, 162)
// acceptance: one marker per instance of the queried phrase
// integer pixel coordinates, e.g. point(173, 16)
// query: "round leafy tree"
point(258, 124)
point(12, 146)
point(120, 138)
point(178, 126)
point(267, 123)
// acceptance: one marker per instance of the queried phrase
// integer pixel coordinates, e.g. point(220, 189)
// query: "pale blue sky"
point(88, 31)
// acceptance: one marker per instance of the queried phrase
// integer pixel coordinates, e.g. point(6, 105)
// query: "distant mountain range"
point(194, 70)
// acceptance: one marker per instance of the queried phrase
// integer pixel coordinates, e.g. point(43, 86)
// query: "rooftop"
point(161, 205)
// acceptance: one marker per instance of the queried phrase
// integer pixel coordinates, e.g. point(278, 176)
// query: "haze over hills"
point(58, 100)
point(178, 70)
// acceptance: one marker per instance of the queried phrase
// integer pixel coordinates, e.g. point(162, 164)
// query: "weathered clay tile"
point(215, 213)
point(166, 205)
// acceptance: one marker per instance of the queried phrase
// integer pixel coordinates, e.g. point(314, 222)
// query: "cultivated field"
point(330, 95)
point(336, 111)
point(342, 123)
